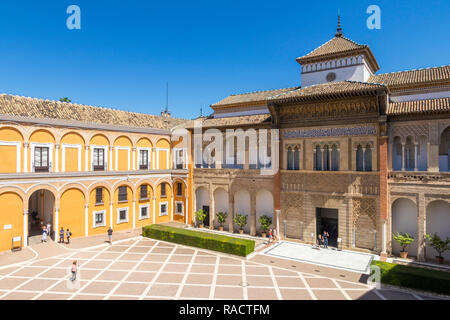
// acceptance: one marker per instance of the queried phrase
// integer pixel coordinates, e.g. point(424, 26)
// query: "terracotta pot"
point(220, 228)
point(403, 254)
point(200, 225)
point(241, 231)
point(440, 260)
point(263, 234)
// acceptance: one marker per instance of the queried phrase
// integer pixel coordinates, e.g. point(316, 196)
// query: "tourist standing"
point(319, 240)
point(44, 234)
point(326, 235)
point(61, 235)
point(275, 235)
point(49, 229)
point(74, 271)
point(270, 235)
point(110, 232)
point(68, 234)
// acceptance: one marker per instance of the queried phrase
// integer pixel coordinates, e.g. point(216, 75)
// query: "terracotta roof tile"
point(411, 77)
point(419, 106)
point(257, 96)
point(48, 109)
point(335, 45)
point(326, 89)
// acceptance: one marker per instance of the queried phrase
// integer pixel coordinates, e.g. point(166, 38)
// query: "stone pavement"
point(141, 268)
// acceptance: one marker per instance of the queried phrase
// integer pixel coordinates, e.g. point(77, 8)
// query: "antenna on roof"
point(167, 97)
point(201, 112)
point(339, 29)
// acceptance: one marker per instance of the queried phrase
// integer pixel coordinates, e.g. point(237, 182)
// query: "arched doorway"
point(202, 202)
point(404, 220)
point(264, 206)
point(444, 151)
point(242, 206)
point(41, 208)
point(438, 221)
point(221, 205)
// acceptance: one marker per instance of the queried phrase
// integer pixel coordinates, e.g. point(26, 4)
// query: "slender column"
point(173, 205)
point(111, 149)
point(153, 156)
point(416, 145)
point(154, 210)
point(314, 160)
point(25, 157)
point(384, 191)
point(56, 224)
point(230, 213)
point(421, 227)
point(25, 228)
point(329, 159)
point(134, 158)
point(134, 214)
point(383, 237)
point(323, 166)
point(212, 211)
point(86, 226)
point(277, 217)
point(111, 214)
point(186, 210)
point(403, 156)
point(364, 159)
point(56, 158)
point(253, 214)
point(86, 158)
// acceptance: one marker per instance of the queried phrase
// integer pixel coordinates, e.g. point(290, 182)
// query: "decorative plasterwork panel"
point(330, 132)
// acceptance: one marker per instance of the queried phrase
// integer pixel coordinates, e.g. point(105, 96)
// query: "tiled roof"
point(335, 45)
point(236, 121)
point(412, 77)
point(328, 89)
point(419, 106)
point(47, 109)
point(257, 96)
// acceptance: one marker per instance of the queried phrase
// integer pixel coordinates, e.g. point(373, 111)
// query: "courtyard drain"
point(243, 284)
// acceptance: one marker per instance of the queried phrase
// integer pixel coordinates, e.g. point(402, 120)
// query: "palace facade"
point(360, 154)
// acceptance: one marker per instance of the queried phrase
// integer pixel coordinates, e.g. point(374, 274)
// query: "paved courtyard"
point(141, 268)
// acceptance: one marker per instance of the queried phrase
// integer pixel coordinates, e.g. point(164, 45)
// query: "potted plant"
point(241, 221)
point(403, 240)
point(265, 222)
point(221, 218)
point(200, 215)
point(439, 245)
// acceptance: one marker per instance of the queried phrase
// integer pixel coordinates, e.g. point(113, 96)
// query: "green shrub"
point(200, 215)
point(221, 218)
point(240, 220)
point(236, 246)
point(265, 222)
point(403, 240)
point(438, 244)
point(414, 277)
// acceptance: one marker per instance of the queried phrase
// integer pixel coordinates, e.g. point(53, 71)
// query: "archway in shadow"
point(41, 206)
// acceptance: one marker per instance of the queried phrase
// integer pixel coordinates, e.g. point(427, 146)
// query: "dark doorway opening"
point(327, 219)
point(206, 211)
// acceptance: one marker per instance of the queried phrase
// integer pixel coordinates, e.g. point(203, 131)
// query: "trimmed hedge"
point(414, 277)
point(236, 246)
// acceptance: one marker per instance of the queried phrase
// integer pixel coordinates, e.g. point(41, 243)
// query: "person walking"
point(319, 240)
point(110, 232)
point(61, 235)
point(275, 235)
point(74, 271)
point(44, 234)
point(68, 234)
point(49, 229)
point(270, 235)
point(326, 235)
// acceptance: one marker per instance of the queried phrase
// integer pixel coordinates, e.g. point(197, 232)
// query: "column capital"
point(111, 148)
point(25, 144)
point(56, 145)
point(134, 149)
point(86, 147)
point(86, 206)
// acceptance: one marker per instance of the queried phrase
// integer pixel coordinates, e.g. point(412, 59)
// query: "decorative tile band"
point(331, 132)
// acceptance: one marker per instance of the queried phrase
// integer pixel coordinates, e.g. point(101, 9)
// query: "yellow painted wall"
point(10, 213)
point(122, 156)
point(128, 204)
point(149, 202)
point(160, 199)
point(72, 153)
point(163, 143)
point(71, 213)
point(93, 207)
point(8, 159)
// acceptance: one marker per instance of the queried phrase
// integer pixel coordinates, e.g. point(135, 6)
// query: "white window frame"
point(149, 150)
point(94, 225)
point(175, 157)
point(33, 145)
point(105, 155)
point(167, 206)
point(65, 146)
point(18, 152)
point(117, 158)
point(148, 211)
point(118, 215)
point(182, 208)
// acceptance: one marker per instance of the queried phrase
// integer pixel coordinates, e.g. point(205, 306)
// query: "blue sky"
point(127, 50)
